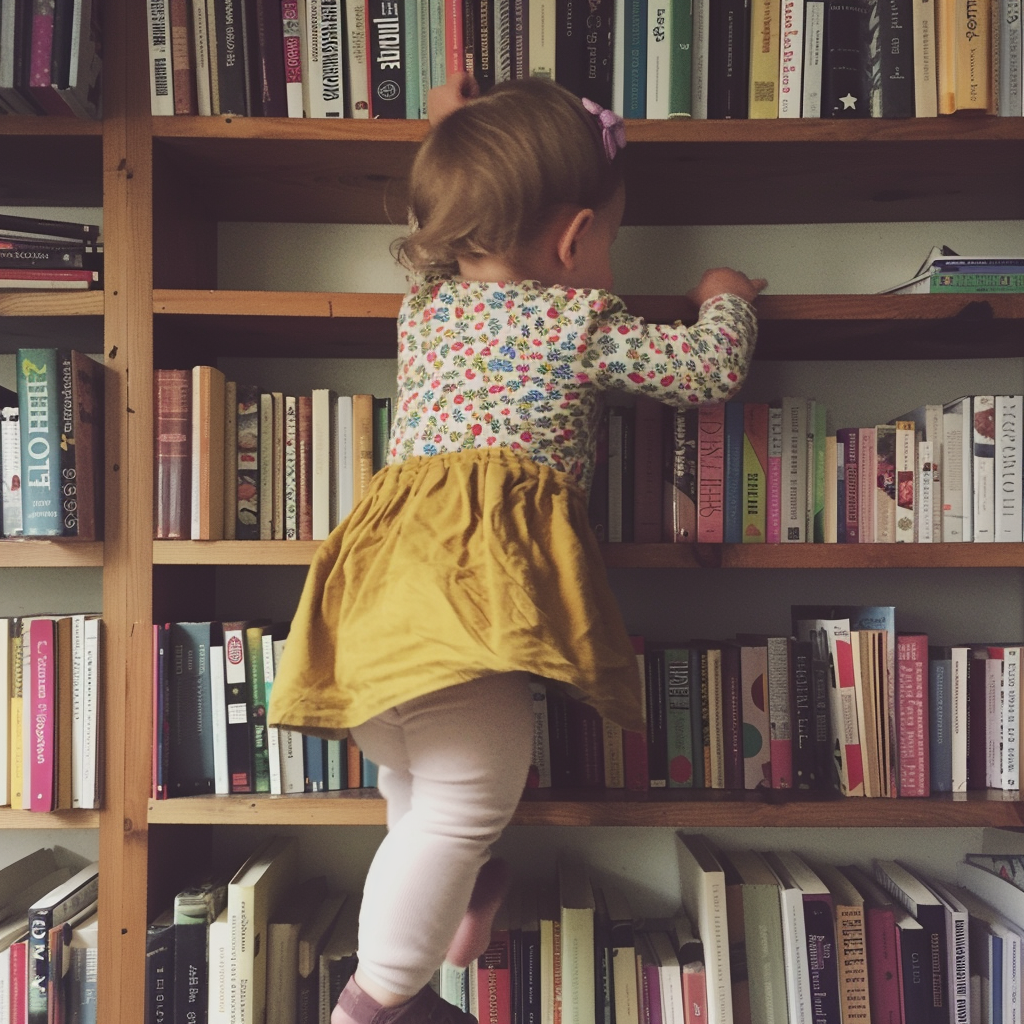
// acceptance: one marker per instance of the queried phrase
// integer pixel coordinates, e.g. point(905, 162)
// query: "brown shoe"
point(426, 1007)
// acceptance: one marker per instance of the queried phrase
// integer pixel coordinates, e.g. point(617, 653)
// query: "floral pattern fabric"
point(521, 366)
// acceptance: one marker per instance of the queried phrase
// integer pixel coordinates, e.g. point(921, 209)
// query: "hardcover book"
point(711, 473)
point(38, 372)
point(172, 474)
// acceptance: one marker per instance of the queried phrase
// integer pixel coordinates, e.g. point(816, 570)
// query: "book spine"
point(846, 89)
point(773, 512)
point(454, 41)
point(885, 484)
point(678, 682)
point(10, 466)
point(40, 708)
point(1007, 56)
point(159, 1004)
point(191, 983)
point(805, 774)
point(757, 726)
point(659, 59)
point(540, 762)
point(268, 497)
point(291, 41)
point(385, 31)
point(764, 59)
point(896, 58)
point(923, 39)
point(732, 518)
point(291, 468)
point(519, 38)
point(634, 744)
point(207, 453)
point(906, 498)
point(38, 373)
point(657, 724)
point(190, 759)
point(755, 473)
point(793, 483)
point(304, 466)
point(542, 38)
point(711, 473)
point(972, 55)
point(326, 45)
point(247, 464)
point(680, 89)
point(362, 439)
point(780, 712)
point(681, 488)
point(253, 639)
point(647, 490)
point(1009, 410)
point(867, 484)
point(926, 488)
point(233, 91)
point(728, 59)
point(912, 714)
point(791, 45)
point(218, 712)
point(940, 696)
point(569, 56)
point(983, 452)
point(161, 83)
point(241, 769)
point(634, 98)
point(267, 73)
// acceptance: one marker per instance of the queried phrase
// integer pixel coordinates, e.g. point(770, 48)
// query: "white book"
point(1010, 720)
point(960, 659)
point(10, 452)
point(814, 48)
point(703, 895)
point(345, 470)
point(273, 732)
point(77, 709)
point(267, 496)
point(218, 953)
point(925, 480)
point(791, 46)
point(794, 470)
point(993, 720)
point(541, 49)
point(357, 83)
point(926, 86)
point(219, 715)
point(293, 763)
point(957, 476)
point(794, 943)
point(323, 406)
point(699, 73)
point(670, 979)
point(253, 894)
point(201, 57)
point(324, 95)
point(576, 901)
point(983, 453)
point(161, 81)
point(92, 661)
point(659, 51)
point(957, 940)
point(1009, 412)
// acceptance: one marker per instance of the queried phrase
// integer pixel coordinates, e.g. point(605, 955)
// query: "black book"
point(228, 50)
point(519, 38)
point(60, 48)
point(16, 251)
point(238, 705)
point(483, 65)
point(470, 34)
point(598, 53)
point(559, 739)
point(728, 59)
point(386, 37)
point(195, 909)
point(845, 77)
point(266, 63)
point(159, 1007)
point(570, 54)
point(49, 228)
point(805, 768)
point(190, 767)
point(657, 720)
point(896, 58)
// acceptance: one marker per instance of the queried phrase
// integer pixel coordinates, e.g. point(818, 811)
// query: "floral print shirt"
point(521, 366)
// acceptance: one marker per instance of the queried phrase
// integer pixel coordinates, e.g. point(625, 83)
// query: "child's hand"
point(456, 92)
point(722, 280)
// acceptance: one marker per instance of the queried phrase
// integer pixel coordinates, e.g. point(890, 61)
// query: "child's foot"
point(426, 1007)
point(474, 932)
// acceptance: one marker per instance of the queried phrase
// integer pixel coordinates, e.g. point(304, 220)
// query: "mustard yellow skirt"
point(454, 567)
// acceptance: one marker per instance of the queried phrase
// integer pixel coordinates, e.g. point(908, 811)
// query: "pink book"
point(41, 712)
point(885, 986)
point(40, 52)
point(454, 43)
point(711, 473)
point(493, 979)
point(634, 744)
point(773, 532)
point(19, 982)
point(842, 652)
point(292, 57)
point(695, 993)
point(912, 714)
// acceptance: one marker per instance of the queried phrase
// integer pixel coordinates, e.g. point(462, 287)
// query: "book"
point(313, 935)
point(794, 941)
point(247, 462)
point(161, 82)
point(764, 59)
point(238, 701)
point(983, 472)
point(298, 905)
point(10, 463)
point(793, 478)
point(576, 902)
point(790, 65)
point(386, 58)
point(195, 909)
point(159, 995)
point(254, 893)
point(846, 85)
point(190, 697)
point(851, 942)
point(172, 404)
point(912, 721)
point(256, 679)
point(323, 80)
point(680, 515)
point(728, 58)
point(38, 372)
point(710, 473)
point(957, 470)
point(208, 419)
point(82, 455)
point(338, 957)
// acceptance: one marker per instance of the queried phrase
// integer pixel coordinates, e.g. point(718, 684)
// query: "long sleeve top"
point(522, 366)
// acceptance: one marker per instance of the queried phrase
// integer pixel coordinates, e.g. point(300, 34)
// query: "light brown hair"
point(488, 178)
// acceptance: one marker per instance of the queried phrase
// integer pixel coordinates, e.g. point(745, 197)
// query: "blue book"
point(369, 773)
point(38, 373)
point(940, 718)
point(733, 521)
point(634, 99)
point(316, 764)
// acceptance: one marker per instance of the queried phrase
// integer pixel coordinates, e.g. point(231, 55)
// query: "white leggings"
point(452, 766)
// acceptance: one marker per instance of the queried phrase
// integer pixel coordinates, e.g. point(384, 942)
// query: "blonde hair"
point(487, 179)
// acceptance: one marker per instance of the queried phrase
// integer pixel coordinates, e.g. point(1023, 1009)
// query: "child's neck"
point(487, 268)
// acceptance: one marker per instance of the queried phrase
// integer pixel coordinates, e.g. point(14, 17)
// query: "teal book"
point(678, 679)
point(38, 373)
point(634, 100)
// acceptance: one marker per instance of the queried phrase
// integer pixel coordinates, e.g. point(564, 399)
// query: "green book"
point(970, 283)
point(680, 91)
point(258, 689)
point(678, 680)
point(38, 374)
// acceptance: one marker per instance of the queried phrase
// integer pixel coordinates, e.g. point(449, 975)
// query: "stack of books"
point(728, 59)
point(49, 254)
point(51, 447)
point(944, 271)
point(50, 712)
point(234, 462)
point(51, 59)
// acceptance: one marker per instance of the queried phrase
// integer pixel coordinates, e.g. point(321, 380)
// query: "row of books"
point(945, 271)
point(51, 58)
point(777, 472)
point(39, 253)
point(48, 939)
point(50, 712)
point(234, 462)
point(645, 59)
point(212, 683)
point(51, 446)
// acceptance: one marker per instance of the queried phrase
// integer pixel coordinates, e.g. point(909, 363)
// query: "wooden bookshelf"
point(29, 553)
point(10, 819)
point(706, 810)
point(51, 303)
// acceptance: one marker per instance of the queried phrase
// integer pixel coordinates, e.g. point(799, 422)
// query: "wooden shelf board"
point(718, 810)
point(30, 553)
point(791, 326)
point(652, 556)
point(54, 819)
point(51, 303)
point(49, 127)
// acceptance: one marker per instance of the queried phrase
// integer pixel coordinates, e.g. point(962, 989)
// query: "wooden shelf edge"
point(15, 124)
point(234, 552)
point(87, 302)
point(10, 818)
point(329, 305)
point(365, 807)
point(28, 553)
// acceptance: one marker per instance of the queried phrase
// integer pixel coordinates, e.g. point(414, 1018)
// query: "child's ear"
point(571, 235)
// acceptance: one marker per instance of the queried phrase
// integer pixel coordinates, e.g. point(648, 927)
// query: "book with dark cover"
point(266, 69)
point(247, 525)
point(68, 449)
point(314, 750)
point(681, 678)
point(39, 383)
point(559, 739)
point(977, 724)
point(385, 34)
point(597, 67)
point(570, 46)
point(470, 35)
point(195, 909)
point(172, 452)
point(728, 63)
point(732, 526)
point(484, 56)
point(845, 79)
point(190, 761)
point(159, 1005)
point(227, 52)
point(657, 723)
point(48, 228)
point(805, 770)
point(732, 716)
point(49, 253)
point(238, 701)
point(896, 58)
point(60, 52)
point(586, 744)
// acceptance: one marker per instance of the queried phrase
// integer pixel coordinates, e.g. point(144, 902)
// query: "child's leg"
point(466, 751)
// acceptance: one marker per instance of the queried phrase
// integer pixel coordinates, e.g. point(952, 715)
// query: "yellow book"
point(973, 55)
point(764, 58)
point(16, 746)
point(208, 428)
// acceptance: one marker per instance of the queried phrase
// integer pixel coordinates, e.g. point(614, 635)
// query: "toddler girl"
point(470, 567)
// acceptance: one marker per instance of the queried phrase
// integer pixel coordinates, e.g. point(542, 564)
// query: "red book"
point(454, 42)
point(849, 438)
point(19, 981)
point(305, 467)
point(711, 473)
point(172, 475)
point(647, 483)
point(47, 277)
point(494, 978)
point(695, 993)
point(41, 697)
point(183, 72)
point(914, 778)
point(40, 56)
point(634, 744)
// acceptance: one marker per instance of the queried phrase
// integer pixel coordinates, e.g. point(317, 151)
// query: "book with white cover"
point(1008, 478)
point(983, 452)
point(958, 943)
point(345, 467)
point(794, 943)
point(957, 471)
point(702, 881)
point(576, 900)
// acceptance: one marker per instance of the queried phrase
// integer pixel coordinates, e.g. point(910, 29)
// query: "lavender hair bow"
point(613, 131)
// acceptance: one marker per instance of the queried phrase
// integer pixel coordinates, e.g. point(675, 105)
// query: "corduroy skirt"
point(455, 567)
